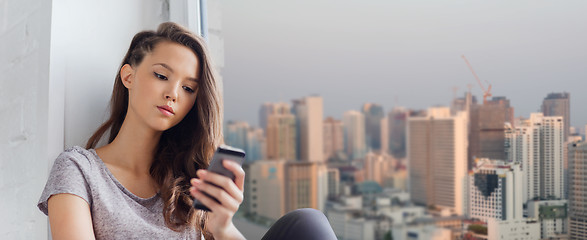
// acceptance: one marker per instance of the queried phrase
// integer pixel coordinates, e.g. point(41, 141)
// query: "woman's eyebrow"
point(171, 70)
point(165, 66)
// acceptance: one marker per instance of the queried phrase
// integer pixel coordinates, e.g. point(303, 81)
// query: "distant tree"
point(388, 236)
point(395, 201)
point(478, 229)
point(536, 198)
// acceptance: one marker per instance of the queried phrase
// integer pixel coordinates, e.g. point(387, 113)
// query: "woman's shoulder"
point(83, 158)
point(73, 172)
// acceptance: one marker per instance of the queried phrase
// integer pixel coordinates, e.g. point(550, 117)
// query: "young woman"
point(165, 124)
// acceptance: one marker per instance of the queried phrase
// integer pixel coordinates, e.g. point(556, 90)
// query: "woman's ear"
point(127, 74)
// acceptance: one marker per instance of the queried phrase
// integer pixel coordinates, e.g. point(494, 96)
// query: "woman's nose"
point(172, 92)
point(170, 98)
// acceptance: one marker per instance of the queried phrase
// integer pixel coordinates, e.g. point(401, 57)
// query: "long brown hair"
point(185, 147)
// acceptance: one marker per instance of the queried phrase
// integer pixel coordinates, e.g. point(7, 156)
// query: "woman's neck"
point(134, 147)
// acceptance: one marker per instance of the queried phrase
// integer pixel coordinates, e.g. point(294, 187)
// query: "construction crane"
point(486, 93)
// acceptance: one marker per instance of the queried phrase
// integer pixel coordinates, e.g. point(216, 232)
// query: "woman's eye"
point(162, 77)
point(188, 89)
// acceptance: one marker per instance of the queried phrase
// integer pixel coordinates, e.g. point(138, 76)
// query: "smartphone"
point(223, 153)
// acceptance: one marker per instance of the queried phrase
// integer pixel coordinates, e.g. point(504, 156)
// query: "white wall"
point(89, 40)
point(24, 82)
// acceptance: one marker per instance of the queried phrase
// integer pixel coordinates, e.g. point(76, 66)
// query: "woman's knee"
point(306, 215)
point(311, 221)
point(303, 223)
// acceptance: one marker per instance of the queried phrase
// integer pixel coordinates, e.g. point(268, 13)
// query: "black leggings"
point(305, 223)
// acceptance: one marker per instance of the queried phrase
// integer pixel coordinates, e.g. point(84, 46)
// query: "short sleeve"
point(68, 175)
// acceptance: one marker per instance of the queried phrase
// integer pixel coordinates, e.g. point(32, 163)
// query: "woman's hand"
point(230, 195)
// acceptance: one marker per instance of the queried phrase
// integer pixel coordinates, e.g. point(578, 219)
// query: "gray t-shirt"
point(116, 212)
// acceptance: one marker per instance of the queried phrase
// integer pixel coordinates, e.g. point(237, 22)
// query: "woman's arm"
point(70, 217)
point(230, 195)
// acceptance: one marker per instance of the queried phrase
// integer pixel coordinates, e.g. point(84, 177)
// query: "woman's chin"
point(161, 127)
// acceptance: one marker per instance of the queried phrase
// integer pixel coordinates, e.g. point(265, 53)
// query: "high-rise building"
point(397, 131)
point(264, 193)
point(309, 114)
point(486, 129)
point(399, 178)
point(437, 159)
point(252, 140)
point(464, 103)
point(256, 146)
point(306, 185)
point(281, 133)
point(384, 134)
point(491, 132)
point(333, 183)
point(458, 104)
point(354, 134)
point(538, 145)
point(333, 137)
point(495, 190)
point(235, 134)
point(553, 218)
point(559, 104)
point(505, 103)
point(378, 167)
point(264, 112)
point(373, 114)
point(495, 197)
point(577, 191)
point(509, 149)
point(275, 187)
point(270, 108)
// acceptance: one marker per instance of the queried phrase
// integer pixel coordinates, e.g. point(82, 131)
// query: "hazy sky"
point(402, 53)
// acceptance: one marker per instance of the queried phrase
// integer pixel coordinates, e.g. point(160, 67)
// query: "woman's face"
point(163, 87)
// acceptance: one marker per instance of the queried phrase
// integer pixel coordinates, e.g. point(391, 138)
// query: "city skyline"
point(412, 143)
point(580, 130)
point(519, 194)
point(488, 198)
point(401, 54)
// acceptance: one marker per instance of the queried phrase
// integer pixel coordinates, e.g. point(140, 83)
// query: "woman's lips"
point(166, 110)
